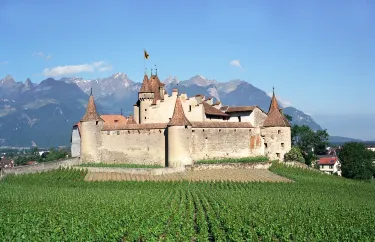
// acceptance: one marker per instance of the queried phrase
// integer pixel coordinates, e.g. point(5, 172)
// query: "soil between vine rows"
point(241, 175)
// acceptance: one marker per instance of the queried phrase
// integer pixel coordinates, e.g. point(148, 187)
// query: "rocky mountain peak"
point(171, 80)
point(28, 82)
point(7, 79)
point(28, 85)
point(119, 75)
point(199, 80)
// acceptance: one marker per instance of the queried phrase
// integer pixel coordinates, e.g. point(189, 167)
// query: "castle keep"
point(176, 130)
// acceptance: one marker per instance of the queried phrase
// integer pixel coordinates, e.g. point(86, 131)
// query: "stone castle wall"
point(133, 147)
point(277, 142)
point(213, 143)
point(91, 141)
point(153, 146)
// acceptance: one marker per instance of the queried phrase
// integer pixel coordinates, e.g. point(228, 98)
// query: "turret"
point(179, 135)
point(91, 125)
point(277, 132)
point(146, 97)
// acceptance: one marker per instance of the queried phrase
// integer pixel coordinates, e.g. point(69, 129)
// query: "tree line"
point(33, 155)
point(357, 162)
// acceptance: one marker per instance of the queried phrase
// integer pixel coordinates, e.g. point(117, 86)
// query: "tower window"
point(185, 126)
point(239, 118)
point(279, 131)
point(96, 122)
point(145, 109)
point(189, 108)
point(145, 117)
point(282, 145)
point(118, 132)
point(278, 155)
point(265, 145)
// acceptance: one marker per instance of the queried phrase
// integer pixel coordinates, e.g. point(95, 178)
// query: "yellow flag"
point(146, 54)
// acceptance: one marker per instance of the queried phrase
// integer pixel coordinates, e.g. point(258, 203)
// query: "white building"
point(330, 165)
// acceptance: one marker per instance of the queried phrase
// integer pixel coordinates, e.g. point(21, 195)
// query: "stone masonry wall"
point(211, 143)
point(259, 117)
point(45, 166)
point(277, 142)
point(133, 147)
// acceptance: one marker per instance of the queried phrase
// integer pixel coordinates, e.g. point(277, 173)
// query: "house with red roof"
point(330, 165)
point(5, 163)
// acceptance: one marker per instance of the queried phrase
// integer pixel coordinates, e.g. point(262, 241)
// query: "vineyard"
point(60, 206)
point(239, 175)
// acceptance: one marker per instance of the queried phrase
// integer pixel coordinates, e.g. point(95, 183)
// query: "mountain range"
point(43, 114)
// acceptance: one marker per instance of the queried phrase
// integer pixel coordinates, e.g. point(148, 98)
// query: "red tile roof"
point(240, 109)
point(209, 110)
point(113, 118)
point(6, 163)
point(274, 117)
point(131, 120)
point(155, 86)
point(91, 114)
point(327, 160)
point(178, 118)
point(145, 85)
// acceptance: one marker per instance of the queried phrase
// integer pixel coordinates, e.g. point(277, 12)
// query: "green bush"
point(294, 155)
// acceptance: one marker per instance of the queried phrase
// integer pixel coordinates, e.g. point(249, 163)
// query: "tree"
point(294, 154)
point(310, 142)
point(288, 117)
point(56, 154)
point(356, 161)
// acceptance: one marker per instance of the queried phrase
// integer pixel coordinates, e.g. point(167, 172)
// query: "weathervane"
point(156, 70)
point(91, 92)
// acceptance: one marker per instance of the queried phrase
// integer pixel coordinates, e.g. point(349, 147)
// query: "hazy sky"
point(319, 55)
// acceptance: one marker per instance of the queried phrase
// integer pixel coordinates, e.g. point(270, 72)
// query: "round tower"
point(146, 98)
point(179, 135)
point(277, 132)
point(91, 125)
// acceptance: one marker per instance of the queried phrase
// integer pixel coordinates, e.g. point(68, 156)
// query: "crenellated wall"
point(159, 112)
point(134, 146)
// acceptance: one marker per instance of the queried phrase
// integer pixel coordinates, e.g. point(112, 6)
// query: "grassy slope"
point(59, 205)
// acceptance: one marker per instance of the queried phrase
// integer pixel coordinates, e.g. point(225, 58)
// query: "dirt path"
point(195, 175)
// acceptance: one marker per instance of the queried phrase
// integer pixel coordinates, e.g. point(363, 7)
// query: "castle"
point(176, 130)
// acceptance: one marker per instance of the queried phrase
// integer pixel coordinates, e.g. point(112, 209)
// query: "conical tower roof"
point(274, 117)
point(145, 85)
point(91, 114)
point(179, 118)
point(131, 120)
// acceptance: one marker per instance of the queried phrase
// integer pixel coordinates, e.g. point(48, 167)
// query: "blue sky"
point(319, 55)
